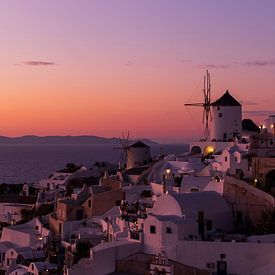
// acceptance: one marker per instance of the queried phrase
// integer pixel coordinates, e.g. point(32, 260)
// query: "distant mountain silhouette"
point(31, 139)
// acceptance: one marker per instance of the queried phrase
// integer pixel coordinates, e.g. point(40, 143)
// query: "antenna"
point(206, 104)
point(125, 143)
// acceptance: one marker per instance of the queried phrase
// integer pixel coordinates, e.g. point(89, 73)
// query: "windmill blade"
point(125, 143)
point(128, 136)
point(123, 139)
point(124, 158)
point(194, 104)
point(206, 116)
point(204, 90)
point(127, 140)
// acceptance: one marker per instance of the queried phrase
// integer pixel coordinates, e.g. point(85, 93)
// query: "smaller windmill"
point(206, 117)
point(125, 143)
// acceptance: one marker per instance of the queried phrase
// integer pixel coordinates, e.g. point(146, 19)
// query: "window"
point(89, 203)
point(236, 159)
point(224, 135)
point(220, 114)
point(201, 223)
point(218, 108)
point(239, 217)
point(168, 230)
point(152, 229)
point(156, 260)
point(225, 158)
point(194, 190)
point(209, 225)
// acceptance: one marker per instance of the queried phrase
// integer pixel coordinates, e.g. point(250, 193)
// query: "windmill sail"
point(206, 117)
point(125, 143)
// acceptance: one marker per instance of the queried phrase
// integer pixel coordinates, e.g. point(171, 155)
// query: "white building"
point(226, 118)
point(11, 212)
point(232, 161)
point(36, 268)
point(62, 177)
point(138, 154)
point(4, 247)
point(191, 216)
point(22, 255)
point(263, 144)
point(168, 170)
point(270, 124)
point(200, 184)
point(31, 234)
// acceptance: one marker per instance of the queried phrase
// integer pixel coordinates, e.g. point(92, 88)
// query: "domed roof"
point(226, 100)
point(189, 204)
point(235, 148)
point(139, 144)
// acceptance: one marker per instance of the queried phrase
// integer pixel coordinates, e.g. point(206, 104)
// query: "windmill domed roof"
point(226, 100)
point(139, 144)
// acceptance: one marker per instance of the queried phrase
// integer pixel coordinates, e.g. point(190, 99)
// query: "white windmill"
point(125, 143)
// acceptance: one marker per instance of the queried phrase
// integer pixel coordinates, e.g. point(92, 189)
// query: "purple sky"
point(100, 67)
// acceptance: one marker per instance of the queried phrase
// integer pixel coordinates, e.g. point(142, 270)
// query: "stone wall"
point(111, 183)
point(260, 168)
point(247, 199)
point(102, 202)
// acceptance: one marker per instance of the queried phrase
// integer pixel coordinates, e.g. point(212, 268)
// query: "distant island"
point(85, 139)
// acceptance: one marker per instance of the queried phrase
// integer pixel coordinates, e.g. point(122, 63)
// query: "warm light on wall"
point(209, 150)
point(168, 171)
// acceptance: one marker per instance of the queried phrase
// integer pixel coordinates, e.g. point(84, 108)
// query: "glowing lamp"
point(168, 171)
point(209, 150)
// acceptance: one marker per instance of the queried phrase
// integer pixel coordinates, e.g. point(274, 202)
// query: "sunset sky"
point(101, 67)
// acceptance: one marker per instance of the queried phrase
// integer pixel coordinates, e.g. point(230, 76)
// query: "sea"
point(30, 163)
